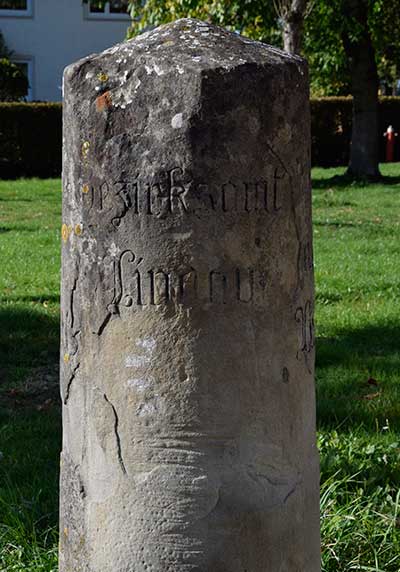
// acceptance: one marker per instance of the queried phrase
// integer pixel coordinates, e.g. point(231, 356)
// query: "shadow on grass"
point(20, 228)
point(29, 471)
point(334, 224)
point(55, 298)
point(30, 425)
point(357, 374)
point(29, 338)
point(345, 181)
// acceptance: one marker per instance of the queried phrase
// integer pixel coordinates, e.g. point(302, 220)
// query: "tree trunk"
point(364, 151)
point(293, 19)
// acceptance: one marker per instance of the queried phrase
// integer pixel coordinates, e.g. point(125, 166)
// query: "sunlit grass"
point(357, 248)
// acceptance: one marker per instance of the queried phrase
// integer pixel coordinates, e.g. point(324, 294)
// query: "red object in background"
point(390, 138)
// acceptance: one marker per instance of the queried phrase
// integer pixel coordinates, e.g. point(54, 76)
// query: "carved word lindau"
point(306, 263)
point(137, 285)
point(174, 191)
point(304, 316)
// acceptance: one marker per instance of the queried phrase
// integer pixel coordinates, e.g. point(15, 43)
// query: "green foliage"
point(30, 139)
point(329, 22)
point(13, 82)
point(254, 18)
point(325, 27)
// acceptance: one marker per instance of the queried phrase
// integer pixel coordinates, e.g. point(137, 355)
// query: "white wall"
point(57, 34)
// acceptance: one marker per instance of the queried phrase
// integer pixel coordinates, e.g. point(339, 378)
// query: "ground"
point(356, 230)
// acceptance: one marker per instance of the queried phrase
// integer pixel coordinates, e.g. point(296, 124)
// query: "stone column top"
point(184, 44)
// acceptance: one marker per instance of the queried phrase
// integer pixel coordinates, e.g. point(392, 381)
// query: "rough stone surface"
point(187, 309)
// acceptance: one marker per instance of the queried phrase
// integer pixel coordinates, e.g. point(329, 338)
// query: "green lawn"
point(357, 270)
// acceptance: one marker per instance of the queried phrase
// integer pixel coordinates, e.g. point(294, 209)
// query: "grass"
point(29, 277)
point(356, 230)
point(357, 272)
point(29, 333)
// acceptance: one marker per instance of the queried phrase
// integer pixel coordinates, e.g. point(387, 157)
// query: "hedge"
point(331, 119)
point(30, 140)
point(31, 137)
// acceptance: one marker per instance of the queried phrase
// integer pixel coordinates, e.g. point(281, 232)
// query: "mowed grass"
point(29, 276)
point(30, 213)
point(357, 247)
point(357, 273)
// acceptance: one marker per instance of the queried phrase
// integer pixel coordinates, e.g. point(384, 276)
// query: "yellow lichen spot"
point(102, 77)
point(78, 229)
point(66, 358)
point(66, 531)
point(85, 149)
point(85, 189)
point(64, 232)
point(168, 43)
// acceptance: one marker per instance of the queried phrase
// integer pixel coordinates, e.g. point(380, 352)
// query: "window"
point(26, 66)
point(16, 8)
point(111, 10)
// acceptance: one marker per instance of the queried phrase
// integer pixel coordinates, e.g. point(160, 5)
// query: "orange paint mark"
point(104, 101)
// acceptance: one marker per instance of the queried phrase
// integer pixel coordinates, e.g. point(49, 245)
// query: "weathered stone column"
point(187, 309)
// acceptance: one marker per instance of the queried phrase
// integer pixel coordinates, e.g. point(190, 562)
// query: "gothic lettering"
point(174, 192)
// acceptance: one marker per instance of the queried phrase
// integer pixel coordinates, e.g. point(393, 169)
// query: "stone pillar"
point(187, 309)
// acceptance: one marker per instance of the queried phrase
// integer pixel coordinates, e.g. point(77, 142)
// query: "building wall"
point(58, 33)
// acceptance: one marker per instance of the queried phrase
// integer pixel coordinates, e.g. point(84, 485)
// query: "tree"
point(360, 52)
point(350, 44)
point(347, 43)
point(13, 82)
point(292, 14)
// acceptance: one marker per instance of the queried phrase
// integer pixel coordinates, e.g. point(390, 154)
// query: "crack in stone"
point(104, 324)
point(71, 379)
point(292, 490)
point(118, 439)
point(71, 308)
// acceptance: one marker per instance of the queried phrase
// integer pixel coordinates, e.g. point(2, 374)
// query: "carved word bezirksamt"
point(173, 191)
